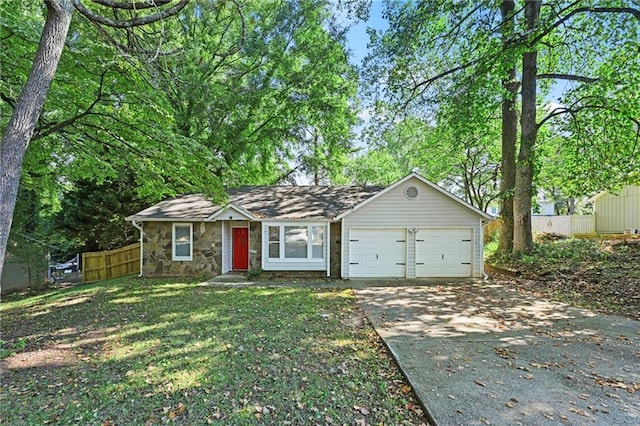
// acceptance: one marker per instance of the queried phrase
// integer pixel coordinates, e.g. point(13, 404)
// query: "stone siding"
point(335, 250)
point(255, 246)
point(207, 251)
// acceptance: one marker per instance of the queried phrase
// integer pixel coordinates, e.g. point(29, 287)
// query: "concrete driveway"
point(477, 353)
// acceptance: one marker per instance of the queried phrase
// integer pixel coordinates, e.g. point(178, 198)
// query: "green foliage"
point(254, 274)
point(6, 350)
point(278, 105)
point(93, 215)
point(189, 104)
point(375, 167)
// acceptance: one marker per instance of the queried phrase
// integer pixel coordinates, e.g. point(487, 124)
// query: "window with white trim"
point(274, 242)
point(296, 242)
point(182, 241)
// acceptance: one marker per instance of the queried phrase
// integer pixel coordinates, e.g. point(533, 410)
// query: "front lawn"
point(138, 351)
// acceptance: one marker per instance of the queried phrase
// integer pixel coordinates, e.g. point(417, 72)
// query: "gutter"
point(138, 226)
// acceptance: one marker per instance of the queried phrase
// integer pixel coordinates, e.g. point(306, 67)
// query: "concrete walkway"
point(478, 353)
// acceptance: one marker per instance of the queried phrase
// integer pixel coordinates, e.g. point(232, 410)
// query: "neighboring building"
point(18, 275)
point(413, 228)
point(545, 205)
point(617, 213)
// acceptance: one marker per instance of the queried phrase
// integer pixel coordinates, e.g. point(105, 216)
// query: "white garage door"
point(443, 252)
point(377, 252)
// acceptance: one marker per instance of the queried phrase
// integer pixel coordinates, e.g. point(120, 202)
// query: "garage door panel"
point(443, 252)
point(380, 253)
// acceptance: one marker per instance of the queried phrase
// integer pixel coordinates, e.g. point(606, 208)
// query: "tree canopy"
point(460, 61)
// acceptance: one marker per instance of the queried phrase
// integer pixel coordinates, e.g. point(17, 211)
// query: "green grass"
point(138, 351)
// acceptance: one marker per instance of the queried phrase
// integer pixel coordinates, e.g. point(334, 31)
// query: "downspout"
point(328, 246)
point(139, 228)
point(485, 277)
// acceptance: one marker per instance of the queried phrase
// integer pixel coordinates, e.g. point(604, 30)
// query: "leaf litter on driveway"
point(538, 360)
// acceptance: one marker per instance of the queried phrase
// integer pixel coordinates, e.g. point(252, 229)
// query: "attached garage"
point(412, 229)
point(377, 252)
point(444, 252)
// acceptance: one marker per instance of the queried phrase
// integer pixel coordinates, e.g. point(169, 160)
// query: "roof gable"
point(429, 184)
point(231, 212)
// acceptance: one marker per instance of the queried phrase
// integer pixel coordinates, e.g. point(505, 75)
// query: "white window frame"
point(173, 242)
point(282, 242)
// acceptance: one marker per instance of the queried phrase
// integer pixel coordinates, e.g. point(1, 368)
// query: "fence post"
point(83, 263)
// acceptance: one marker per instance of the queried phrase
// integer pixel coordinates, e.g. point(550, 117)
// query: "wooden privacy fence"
point(102, 265)
point(564, 225)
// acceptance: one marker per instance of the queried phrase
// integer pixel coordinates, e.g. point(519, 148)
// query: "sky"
point(357, 37)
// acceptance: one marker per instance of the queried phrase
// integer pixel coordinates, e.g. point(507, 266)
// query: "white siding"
point(226, 247)
point(231, 213)
point(430, 209)
point(615, 213)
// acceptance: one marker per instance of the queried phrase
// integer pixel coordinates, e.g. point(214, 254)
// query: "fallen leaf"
point(361, 410)
point(181, 408)
point(579, 411)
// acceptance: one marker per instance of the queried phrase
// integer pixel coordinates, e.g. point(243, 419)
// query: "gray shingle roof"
point(193, 206)
point(265, 202)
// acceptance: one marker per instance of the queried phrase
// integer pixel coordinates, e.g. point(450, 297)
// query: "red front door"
point(240, 249)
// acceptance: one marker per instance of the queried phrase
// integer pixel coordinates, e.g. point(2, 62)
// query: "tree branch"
point(53, 128)
point(7, 99)
point(129, 23)
point(148, 4)
point(571, 110)
point(623, 10)
point(243, 32)
point(570, 77)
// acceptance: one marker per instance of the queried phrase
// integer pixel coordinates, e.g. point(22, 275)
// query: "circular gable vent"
point(411, 192)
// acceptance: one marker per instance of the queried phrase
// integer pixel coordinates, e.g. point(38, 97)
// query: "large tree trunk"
point(522, 234)
point(509, 135)
point(25, 115)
